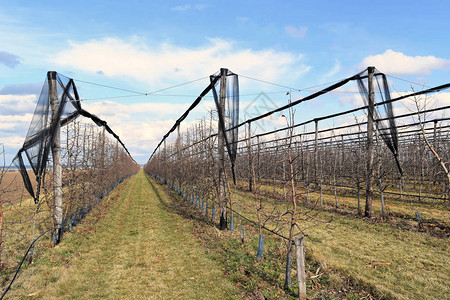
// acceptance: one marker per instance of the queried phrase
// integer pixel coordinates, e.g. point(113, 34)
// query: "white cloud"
point(295, 32)
point(182, 7)
point(336, 68)
point(26, 118)
point(13, 142)
point(12, 104)
point(392, 62)
point(142, 125)
point(442, 99)
point(425, 102)
point(242, 19)
point(13, 129)
point(187, 7)
point(161, 110)
point(168, 63)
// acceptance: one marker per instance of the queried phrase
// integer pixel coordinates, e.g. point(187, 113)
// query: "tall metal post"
point(250, 158)
point(370, 153)
point(258, 164)
point(221, 145)
point(316, 159)
point(435, 135)
point(178, 165)
point(56, 154)
point(165, 162)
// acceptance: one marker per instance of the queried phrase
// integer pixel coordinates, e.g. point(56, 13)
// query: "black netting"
point(383, 113)
point(230, 119)
point(35, 150)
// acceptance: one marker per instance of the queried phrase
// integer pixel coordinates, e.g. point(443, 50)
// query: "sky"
point(149, 46)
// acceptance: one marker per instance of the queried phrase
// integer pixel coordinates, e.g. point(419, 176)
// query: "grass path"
point(134, 248)
point(396, 262)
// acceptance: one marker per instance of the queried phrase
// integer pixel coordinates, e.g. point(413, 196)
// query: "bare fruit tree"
point(422, 103)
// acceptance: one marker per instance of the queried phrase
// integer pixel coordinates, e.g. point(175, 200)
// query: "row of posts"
point(57, 168)
point(370, 147)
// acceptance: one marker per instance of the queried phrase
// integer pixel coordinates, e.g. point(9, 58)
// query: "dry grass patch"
point(136, 249)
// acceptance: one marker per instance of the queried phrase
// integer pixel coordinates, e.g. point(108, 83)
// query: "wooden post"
point(370, 153)
point(300, 262)
point(56, 154)
point(221, 145)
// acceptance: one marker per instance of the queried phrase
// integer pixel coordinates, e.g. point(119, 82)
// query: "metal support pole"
point(316, 159)
point(250, 179)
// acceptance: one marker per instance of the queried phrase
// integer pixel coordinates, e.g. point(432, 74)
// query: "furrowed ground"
point(130, 247)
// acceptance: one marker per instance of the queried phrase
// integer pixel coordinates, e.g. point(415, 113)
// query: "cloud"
point(15, 104)
point(8, 59)
point(15, 122)
point(13, 129)
point(442, 99)
point(296, 32)
point(14, 142)
point(336, 68)
point(21, 89)
point(187, 7)
point(166, 63)
point(436, 100)
point(242, 19)
point(392, 62)
point(158, 109)
point(141, 125)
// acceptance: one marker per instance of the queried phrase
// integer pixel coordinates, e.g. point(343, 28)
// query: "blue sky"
point(146, 46)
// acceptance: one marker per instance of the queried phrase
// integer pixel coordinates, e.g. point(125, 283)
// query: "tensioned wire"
point(155, 93)
point(135, 93)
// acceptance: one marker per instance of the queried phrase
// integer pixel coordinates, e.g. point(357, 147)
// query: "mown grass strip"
point(131, 247)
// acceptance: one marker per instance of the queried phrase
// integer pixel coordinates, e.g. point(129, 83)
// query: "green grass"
point(131, 246)
point(408, 264)
point(262, 278)
point(140, 244)
point(436, 215)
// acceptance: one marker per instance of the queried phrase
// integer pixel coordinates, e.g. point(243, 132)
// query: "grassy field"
point(401, 213)
point(129, 247)
point(18, 209)
point(144, 241)
point(395, 262)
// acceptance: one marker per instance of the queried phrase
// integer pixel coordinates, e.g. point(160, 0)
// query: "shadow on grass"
point(256, 279)
point(177, 205)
